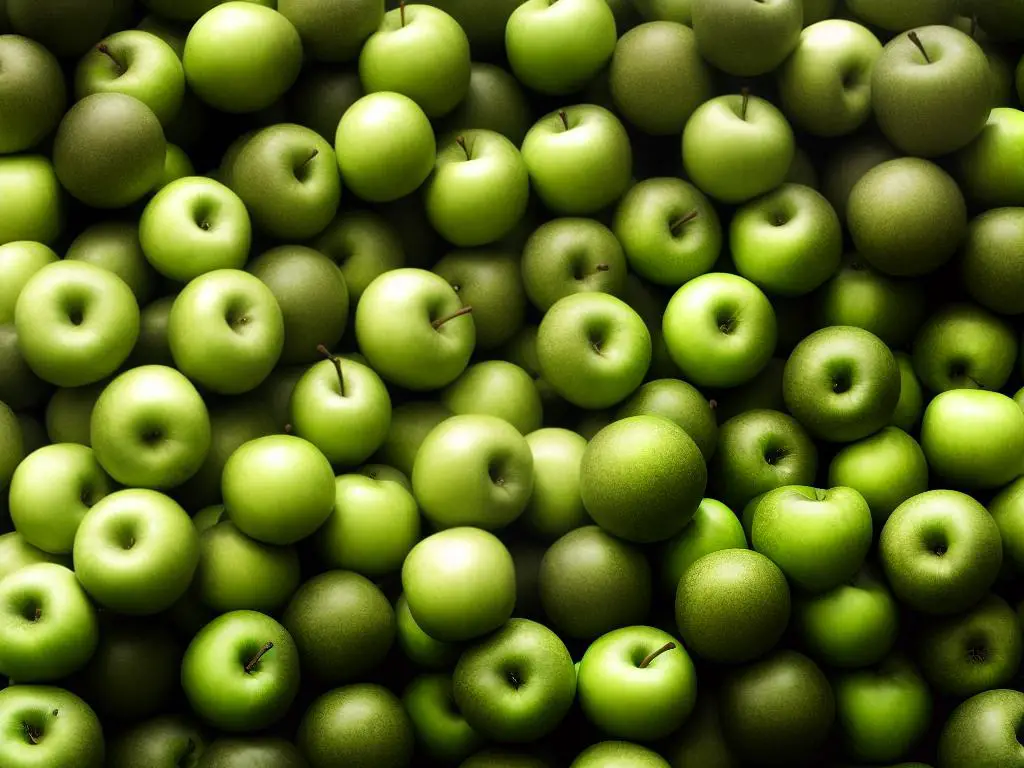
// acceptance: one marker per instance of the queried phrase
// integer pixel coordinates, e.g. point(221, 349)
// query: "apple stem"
point(565, 118)
point(459, 313)
point(287, 429)
point(602, 268)
point(677, 225)
point(974, 25)
point(461, 141)
point(713, 404)
point(309, 159)
point(401, 12)
point(32, 732)
point(337, 365)
point(920, 46)
point(745, 93)
point(655, 654)
point(105, 50)
point(256, 659)
point(38, 614)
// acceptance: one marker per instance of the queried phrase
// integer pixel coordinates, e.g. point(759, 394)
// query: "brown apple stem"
point(461, 141)
point(309, 159)
point(459, 313)
point(565, 118)
point(256, 659)
point(38, 615)
point(401, 12)
point(337, 365)
point(974, 25)
point(655, 654)
point(920, 46)
point(287, 429)
point(602, 268)
point(745, 93)
point(32, 733)
point(713, 404)
point(105, 50)
point(677, 226)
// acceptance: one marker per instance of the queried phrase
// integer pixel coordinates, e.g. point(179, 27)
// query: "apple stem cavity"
point(337, 366)
point(105, 50)
point(32, 733)
point(38, 614)
point(401, 12)
point(920, 46)
point(602, 268)
point(458, 313)
point(745, 94)
point(461, 141)
point(655, 654)
point(677, 226)
point(251, 665)
point(565, 118)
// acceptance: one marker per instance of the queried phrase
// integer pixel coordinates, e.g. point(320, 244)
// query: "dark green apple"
point(746, 39)
point(168, 739)
point(491, 283)
point(116, 247)
point(364, 245)
point(680, 402)
point(322, 95)
point(33, 94)
point(67, 28)
point(989, 270)
point(410, 424)
point(981, 732)
point(962, 346)
point(333, 31)
point(847, 163)
point(495, 101)
point(253, 752)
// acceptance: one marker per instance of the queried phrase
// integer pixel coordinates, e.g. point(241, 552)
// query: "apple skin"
point(670, 232)
point(844, 167)
point(628, 701)
point(333, 32)
point(33, 202)
point(252, 752)
point(941, 552)
point(19, 261)
point(221, 76)
point(34, 96)
point(962, 346)
point(555, 507)
point(884, 712)
point(115, 246)
point(69, 413)
point(989, 272)
point(854, 625)
point(16, 553)
point(441, 731)
point(825, 84)
point(788, 242)
point(886, 468)
point(556, 49)
point(727, 136)
point(364, 245)
point(745, 40)
point(278, 489)
point(150, 428)
point(76, 323)
point(419, 647)
point(819, 538)
point(906, 216)
point(681, 403)
point(48, 629)
point(980, 733)
point(516, 685)
point(720, 330)
point(713, 527)
point(1007, 509)
point(495, 101)
point(177, 165)
point(51, 491)
point(322, 95)
point(934, 104)
point(497, 388)
point(242, 331)
point(223, 684)
point(19, 387)
point(980, 164)
point(73, 736)
point(613, 754)
point(411, 422)
point(580, 159)
point(490, 282)
point(459, 583)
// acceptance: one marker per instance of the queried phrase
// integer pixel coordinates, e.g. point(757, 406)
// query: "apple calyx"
point(461, 141)
point(105, 50)
point(676, 227)
point(401, 12)
point(920, 46)
point(458, 313)
point(745, 94)
point(655, 654)
point(38, 614)
point(251, 664)
point(337, 366)
point(565, 118)
point(33, 734)
point(602, 268)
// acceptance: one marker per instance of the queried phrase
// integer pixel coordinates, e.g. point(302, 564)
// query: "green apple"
point(322, 95)
point(973, 652)
point(572, 255)
point(727, 589)
point(414, 329)
point(669, 231)
point(171, 30)
point(973, 438)
point(982, 732)
point(679, 11)
point(986, 167)
point(192, 226)
point(962, 346)
point(69, 413)
point(137, 64)
point(19, 261)
point(759, 450)
point(459, 584)
point(333, 31)
point(1007, 509)
point(637, 683)
point(411, 422)
point(177, 165)
point(241, 672)
point(517, 684)
point(68, 29)
point(891, 308)
point(479, 188)
point(680, 402)
point(343, 626)
point(853, 625)
point(287, 176)
point(555, 506)
point(384, 131)
point(579, 158)
point(384, 473)
point(150, 428)
point(713, 527)
point(48, 627)
point(882, 713)
point(825, 85)
point(278, 489)
point(52, 725)
point(886, 468)
point(373, 526)
point(238, 573)
point(700, 740)
point(989, 272)
point(227, 72)
point(152, 346)
point(941, 552)
point(20, 388)
point(842, 383)
point(334, 729)
point(76, 323)
point(591, 582)
point(51, 491)
point(16, 553)
point(136, 551)
point(593, 349)
point(906, 216)
point(33, 95)
point(844, 167)
point(441, 730)
point(788, 242)
point(495, 101)
point(720, 330)
point(496, 388)
point(226, 331)
point(746, 39)
point(115, 246)
point(906, 15)
point(613, 754)
point(32, 206)
point(658, 78)
point(557, 48)
point(491, 283)
point(727, 136)
point(364, 245)
point(252, 752)
point(419, 647)
point(931, 90)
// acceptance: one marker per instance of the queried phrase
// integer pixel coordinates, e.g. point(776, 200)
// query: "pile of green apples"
point(511, 383)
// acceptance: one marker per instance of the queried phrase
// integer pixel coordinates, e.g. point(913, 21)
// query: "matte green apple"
point(72, 738)
point(700, 740)
point(962, 346)
point(333, 31)
point(364, 245)
point(989, 272)
point(115, 246)
point(253, 752)
point(166, 738)
point(33, 203)
point(680, 402)
point(495, 101)
point(746, 39)
point(322, 95)
point(981, 730)
point(33, 95)
point(490, 282)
